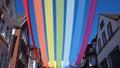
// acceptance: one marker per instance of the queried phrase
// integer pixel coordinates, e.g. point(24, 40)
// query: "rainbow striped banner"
point(59, 26)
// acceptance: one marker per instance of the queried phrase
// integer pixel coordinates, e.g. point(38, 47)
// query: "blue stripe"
point(78, 33)
point(54, 21)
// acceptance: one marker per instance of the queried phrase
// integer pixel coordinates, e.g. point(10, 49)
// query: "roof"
point(112, 16)
point(20, 17)
point(20, 20)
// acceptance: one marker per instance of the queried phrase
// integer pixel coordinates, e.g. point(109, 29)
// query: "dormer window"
point(101, 24)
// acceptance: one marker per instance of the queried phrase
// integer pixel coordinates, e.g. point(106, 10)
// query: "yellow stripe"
point(49, 26)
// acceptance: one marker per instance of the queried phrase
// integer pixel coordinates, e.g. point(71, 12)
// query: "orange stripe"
point(40, 30)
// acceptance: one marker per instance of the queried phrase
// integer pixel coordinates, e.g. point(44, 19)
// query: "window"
point(0, 13)
point(24, 36)
point(115, 59)
point(99, 44)
point(1, 20)
point(92, 60)
point(2, 23)
point(104, 64)
point(1, 26)
point(0, 56)
point(104, 38)
point(3, 29)
point(5, 59)
point(7, 34)
point(101, 24)
point(109, 28)
point(7, 2)
point(20, 56)
point(2, 59)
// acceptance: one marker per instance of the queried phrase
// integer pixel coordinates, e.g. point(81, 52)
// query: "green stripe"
point(59, 26)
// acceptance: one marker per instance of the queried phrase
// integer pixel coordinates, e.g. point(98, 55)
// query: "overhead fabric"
point(26, 7)
point(87, 30)
point(59, 30)
point(50, 30)
point(77, 30)
point(58, 22)
point(40, 30)
point(68, 30)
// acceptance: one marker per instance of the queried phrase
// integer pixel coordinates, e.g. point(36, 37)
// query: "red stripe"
point(87, 30)
point(26, 8)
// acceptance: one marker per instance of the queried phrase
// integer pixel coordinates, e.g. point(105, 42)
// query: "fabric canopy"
point(59, 26)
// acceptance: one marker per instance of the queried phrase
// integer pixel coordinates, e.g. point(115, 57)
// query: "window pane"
point(99, 44)
point(92, 60)
point(104, 38)
point(115, 58)
point(104, 64)
point(101, 24)
point(109, 30)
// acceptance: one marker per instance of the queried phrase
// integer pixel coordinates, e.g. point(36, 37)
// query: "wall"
point(111, 43)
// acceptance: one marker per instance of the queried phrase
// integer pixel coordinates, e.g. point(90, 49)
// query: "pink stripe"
point(87, 30)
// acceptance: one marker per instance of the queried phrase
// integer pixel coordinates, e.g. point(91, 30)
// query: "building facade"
point(90, 57)
point(108, 41)
point(20, 48)
point(33, 63)
point(7, 18)
point(14, 37)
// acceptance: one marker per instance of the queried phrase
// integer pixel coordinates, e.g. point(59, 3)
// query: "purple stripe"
point(87, 30)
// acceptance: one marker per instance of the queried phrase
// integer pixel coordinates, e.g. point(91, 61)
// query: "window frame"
point(104, 61)
point(7, 34)
point(104, 38)
point(99, 45)
point(115, 50)
point(101, 24)
point(109, 29)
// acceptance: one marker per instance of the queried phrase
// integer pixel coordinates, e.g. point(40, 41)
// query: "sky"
point(103, 6)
